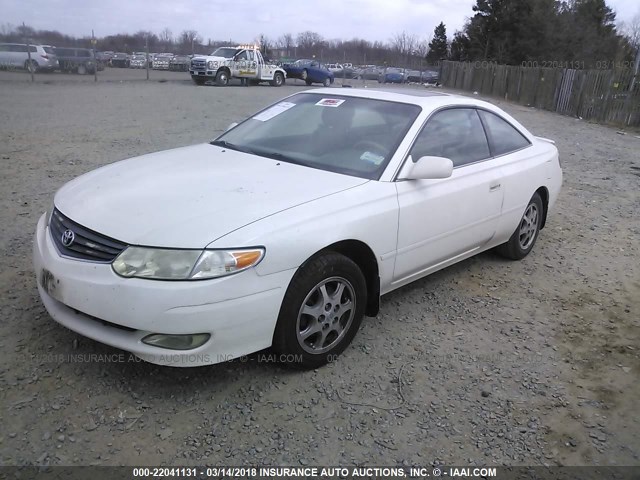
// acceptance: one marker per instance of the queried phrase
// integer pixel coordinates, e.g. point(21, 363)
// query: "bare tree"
point(309, 42)
point(166, 38)
point(631, 30)
point(286, 43)
point(188, 40)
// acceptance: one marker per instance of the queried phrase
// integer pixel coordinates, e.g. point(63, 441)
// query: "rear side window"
point(456, 134)
point(49, 50)
point(503, 137)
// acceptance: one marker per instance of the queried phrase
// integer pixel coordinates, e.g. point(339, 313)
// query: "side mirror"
point(426, 168)
point(232, 125)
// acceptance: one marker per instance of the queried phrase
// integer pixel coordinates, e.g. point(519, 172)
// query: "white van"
point(16, 55)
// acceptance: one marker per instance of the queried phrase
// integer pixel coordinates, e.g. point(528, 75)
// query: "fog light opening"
point(177, 342)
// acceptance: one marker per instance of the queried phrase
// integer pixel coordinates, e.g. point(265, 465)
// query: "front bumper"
point(238, 311)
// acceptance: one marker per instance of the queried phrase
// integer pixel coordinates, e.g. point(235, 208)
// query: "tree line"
point(502, 31)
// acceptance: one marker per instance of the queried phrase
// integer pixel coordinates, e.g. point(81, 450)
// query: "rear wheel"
point(278, 80)
point(525, 236)
point(321, 311)
point(304, 75)
point(222, 78)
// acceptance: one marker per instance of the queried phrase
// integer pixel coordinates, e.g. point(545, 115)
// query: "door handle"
point(494, 188)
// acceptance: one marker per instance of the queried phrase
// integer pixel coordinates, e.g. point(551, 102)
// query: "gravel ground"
point(487, 362)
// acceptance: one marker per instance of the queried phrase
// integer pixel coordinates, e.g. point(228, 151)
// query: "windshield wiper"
point(281, 156)
point(232, 146)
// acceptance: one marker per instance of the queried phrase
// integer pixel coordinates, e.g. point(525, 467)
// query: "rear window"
point(50, 50)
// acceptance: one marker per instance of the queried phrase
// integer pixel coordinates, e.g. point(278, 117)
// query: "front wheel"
point(304, 75)
point(82, 70)
point(327, 82)
point(525, 236)
point(321, 311)
point(278, 80)
point(222, 78)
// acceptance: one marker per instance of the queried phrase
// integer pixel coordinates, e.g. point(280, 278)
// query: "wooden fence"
point(605, 96)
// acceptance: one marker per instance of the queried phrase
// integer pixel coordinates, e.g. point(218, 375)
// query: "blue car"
point(311, 71)
point(392, 75)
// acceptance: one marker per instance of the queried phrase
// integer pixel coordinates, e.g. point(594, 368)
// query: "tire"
point(31, 66)
point(82, 69)
point(304, 75)
point(198, 80)
point(308, 81)
point(278, 80)
point(327, 82)
point(526, 234)
point(222, 78)
point(314, 338)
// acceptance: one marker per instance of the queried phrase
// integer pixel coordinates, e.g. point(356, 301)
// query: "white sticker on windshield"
point(330, 102)
point(271, 112)
point(372, 157)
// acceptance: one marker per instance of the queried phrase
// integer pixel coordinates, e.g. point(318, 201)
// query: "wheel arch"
point(362, 255)
point(544, 195)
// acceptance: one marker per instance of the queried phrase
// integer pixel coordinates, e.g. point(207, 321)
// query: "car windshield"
point(348, 135)
point(394, 70)
point(225, 52)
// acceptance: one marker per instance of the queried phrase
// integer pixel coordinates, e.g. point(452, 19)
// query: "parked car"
point(16, 55)
point(120, 60)
point(392, 75)
point(138, 61)
point(322, 202)
point(370, 73)
point(77, 60)
point(161, 61)
point(103, 59)
point(180, 63)
point(311, 71)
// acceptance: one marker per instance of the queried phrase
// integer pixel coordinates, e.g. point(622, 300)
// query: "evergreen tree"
point(438, 46)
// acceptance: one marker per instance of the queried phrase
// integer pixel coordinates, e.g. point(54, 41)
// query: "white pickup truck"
point(243, 61)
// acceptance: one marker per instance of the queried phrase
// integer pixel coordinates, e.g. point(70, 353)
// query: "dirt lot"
point(488, 362)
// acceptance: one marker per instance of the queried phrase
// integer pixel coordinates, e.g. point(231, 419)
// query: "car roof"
point(426, 98)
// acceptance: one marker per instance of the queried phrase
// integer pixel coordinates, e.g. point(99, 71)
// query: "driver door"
point(447, 219)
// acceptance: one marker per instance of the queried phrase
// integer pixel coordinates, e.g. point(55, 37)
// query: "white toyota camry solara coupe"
point(285, 231)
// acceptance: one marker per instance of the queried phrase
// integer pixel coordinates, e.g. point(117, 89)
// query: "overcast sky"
point(244, 20)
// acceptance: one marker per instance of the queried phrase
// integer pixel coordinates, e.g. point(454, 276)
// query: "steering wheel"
point(370, 145)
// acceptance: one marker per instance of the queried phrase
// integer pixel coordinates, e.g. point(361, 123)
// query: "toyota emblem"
point(68, 237)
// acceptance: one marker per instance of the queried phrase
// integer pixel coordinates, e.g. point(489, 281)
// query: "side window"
point(456, 134)
point(503, 136)
point(4, 48)
point(33, 49)
point(250, 55)
point(242, 55)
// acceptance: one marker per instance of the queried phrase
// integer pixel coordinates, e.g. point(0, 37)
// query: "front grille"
point(198, 65)
point(86, 244)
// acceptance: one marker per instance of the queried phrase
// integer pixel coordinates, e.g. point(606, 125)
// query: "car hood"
point(190, 196)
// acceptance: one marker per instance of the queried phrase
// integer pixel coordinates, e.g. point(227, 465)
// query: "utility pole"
point(31, 66)
point(95, 60)
point(146, 49)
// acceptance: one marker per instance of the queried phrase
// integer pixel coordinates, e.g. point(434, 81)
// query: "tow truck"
point(243, 61)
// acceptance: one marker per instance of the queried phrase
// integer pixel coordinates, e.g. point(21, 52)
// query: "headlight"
point(167, 264)
point(210, 65)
